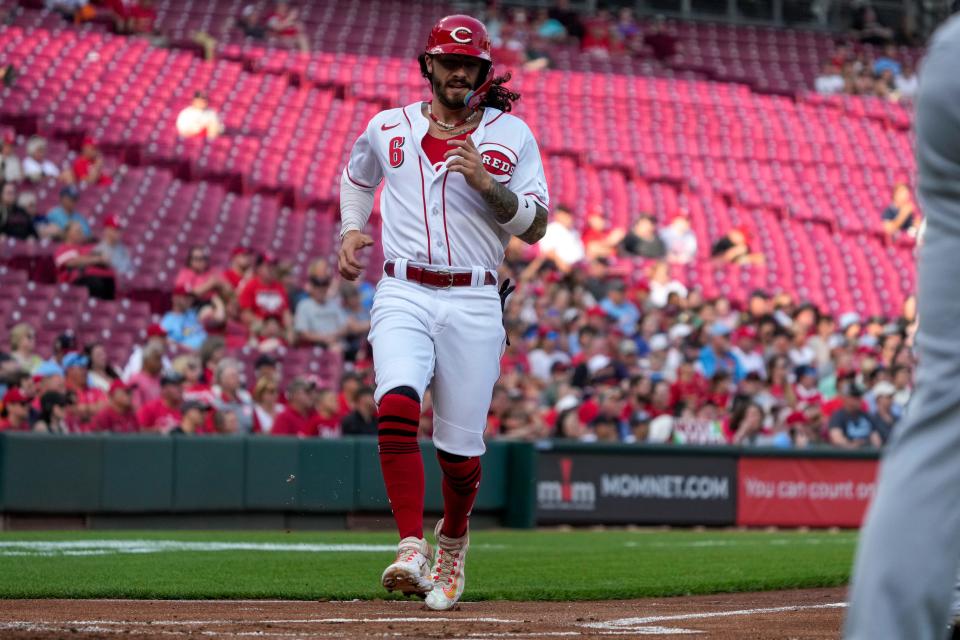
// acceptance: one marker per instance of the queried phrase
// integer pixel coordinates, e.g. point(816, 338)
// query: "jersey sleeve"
point(363, 168)
point(528, 178)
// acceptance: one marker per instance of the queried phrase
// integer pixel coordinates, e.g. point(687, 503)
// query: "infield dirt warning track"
point(809, 613)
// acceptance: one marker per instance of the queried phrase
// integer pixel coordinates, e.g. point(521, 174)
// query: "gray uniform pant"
point(909, 549)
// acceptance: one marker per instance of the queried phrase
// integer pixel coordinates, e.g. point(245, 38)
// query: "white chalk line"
point(191, 623)
point(617, 627)
point(623, 623)
point(44, 548)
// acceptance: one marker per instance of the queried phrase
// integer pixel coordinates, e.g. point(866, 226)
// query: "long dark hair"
point(498, 96)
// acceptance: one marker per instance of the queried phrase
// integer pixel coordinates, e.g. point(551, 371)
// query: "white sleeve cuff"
point(523, 218)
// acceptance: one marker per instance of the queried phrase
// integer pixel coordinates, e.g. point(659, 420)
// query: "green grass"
point(541, 565)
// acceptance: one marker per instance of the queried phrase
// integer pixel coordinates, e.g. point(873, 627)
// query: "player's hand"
point(465, 159)
point(347, 261)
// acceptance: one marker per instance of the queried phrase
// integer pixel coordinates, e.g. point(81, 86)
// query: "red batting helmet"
point(459, 34)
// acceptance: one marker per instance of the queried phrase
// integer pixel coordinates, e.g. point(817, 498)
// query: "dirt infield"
point(814, 613)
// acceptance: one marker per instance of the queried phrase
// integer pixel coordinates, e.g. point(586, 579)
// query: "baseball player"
point(909, 548)
point(461, 177)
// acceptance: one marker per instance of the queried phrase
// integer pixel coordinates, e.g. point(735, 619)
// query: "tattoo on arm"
point(504, 203)
point(537, 228)
point(501, 200)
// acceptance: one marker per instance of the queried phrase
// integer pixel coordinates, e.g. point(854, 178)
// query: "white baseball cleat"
point(409, 574)
point(448, 575)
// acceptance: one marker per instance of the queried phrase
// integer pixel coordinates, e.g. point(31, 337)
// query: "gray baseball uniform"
point(910, 545)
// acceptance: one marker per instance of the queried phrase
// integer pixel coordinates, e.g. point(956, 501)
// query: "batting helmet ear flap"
point(485, 72)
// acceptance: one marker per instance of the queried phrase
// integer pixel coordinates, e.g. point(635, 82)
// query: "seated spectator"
point(642, 239)
point(78, 263)
point(886, 416)
point(598, 42)
point(549, 28)
point(269, 336)
point(358, 319)
point(101, 373)
point(66, 212)
point(146, 382)
point(87, 168)
point(599, 241)
point(266, 404)
point(53, 413)
point(155, 336)
point(716, 355)
point(199, 120)
point(658, 39)
point(561, 243)
point(830, 81)
point(284, 23)
point(745, 425)
point(193, 418)
point(87, 400)
point(734, 248)
point(899, 216)
point(319, 319)
point(182, 323)
point(230, 396)
point(117, 416)
point(887, 61)
point(16, 411)
point(326, 420)
point(627, 31)
point(569, 17)
point(298, 417)
point(249, 23)
point(362, 421)
point(617, 306)
point(163, 413)
point(27, 200)
point(199, 278)
point(850, 426)
point(194, 386)
point(11, 170)
point(679, 240)
point(141, 18)
point(23, 347)
point(111, 246)
point(15, 222)
point(240, 267)
point(264, 296)
point(906, 84)
point(662, 285)
point(546, 354)
point(36, 167)
point(868, 29)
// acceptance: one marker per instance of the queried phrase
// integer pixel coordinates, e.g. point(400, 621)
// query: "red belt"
point(435, 278)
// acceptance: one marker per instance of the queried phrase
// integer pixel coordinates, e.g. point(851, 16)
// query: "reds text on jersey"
point(431, 215)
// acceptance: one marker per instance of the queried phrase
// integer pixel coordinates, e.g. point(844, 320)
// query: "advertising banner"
point(808, 492)
point(635, 488)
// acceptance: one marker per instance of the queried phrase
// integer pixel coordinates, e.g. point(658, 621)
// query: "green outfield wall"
point(261, 482)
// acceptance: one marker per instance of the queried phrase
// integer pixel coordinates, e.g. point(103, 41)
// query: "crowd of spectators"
point(83, 255)
point(524, 36)
point(859, 72)
point(596, 353)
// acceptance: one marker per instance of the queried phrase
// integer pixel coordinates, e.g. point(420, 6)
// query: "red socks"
point(461, 481)
point(401, 462)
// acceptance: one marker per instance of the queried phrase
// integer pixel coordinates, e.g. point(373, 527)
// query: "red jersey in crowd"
point(324, 427)
point(291, 422)
point(157, 416)
point(265, 300)
point(111, 420)
point(81, 169)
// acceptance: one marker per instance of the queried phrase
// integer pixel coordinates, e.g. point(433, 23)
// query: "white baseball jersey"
point(430, 215)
